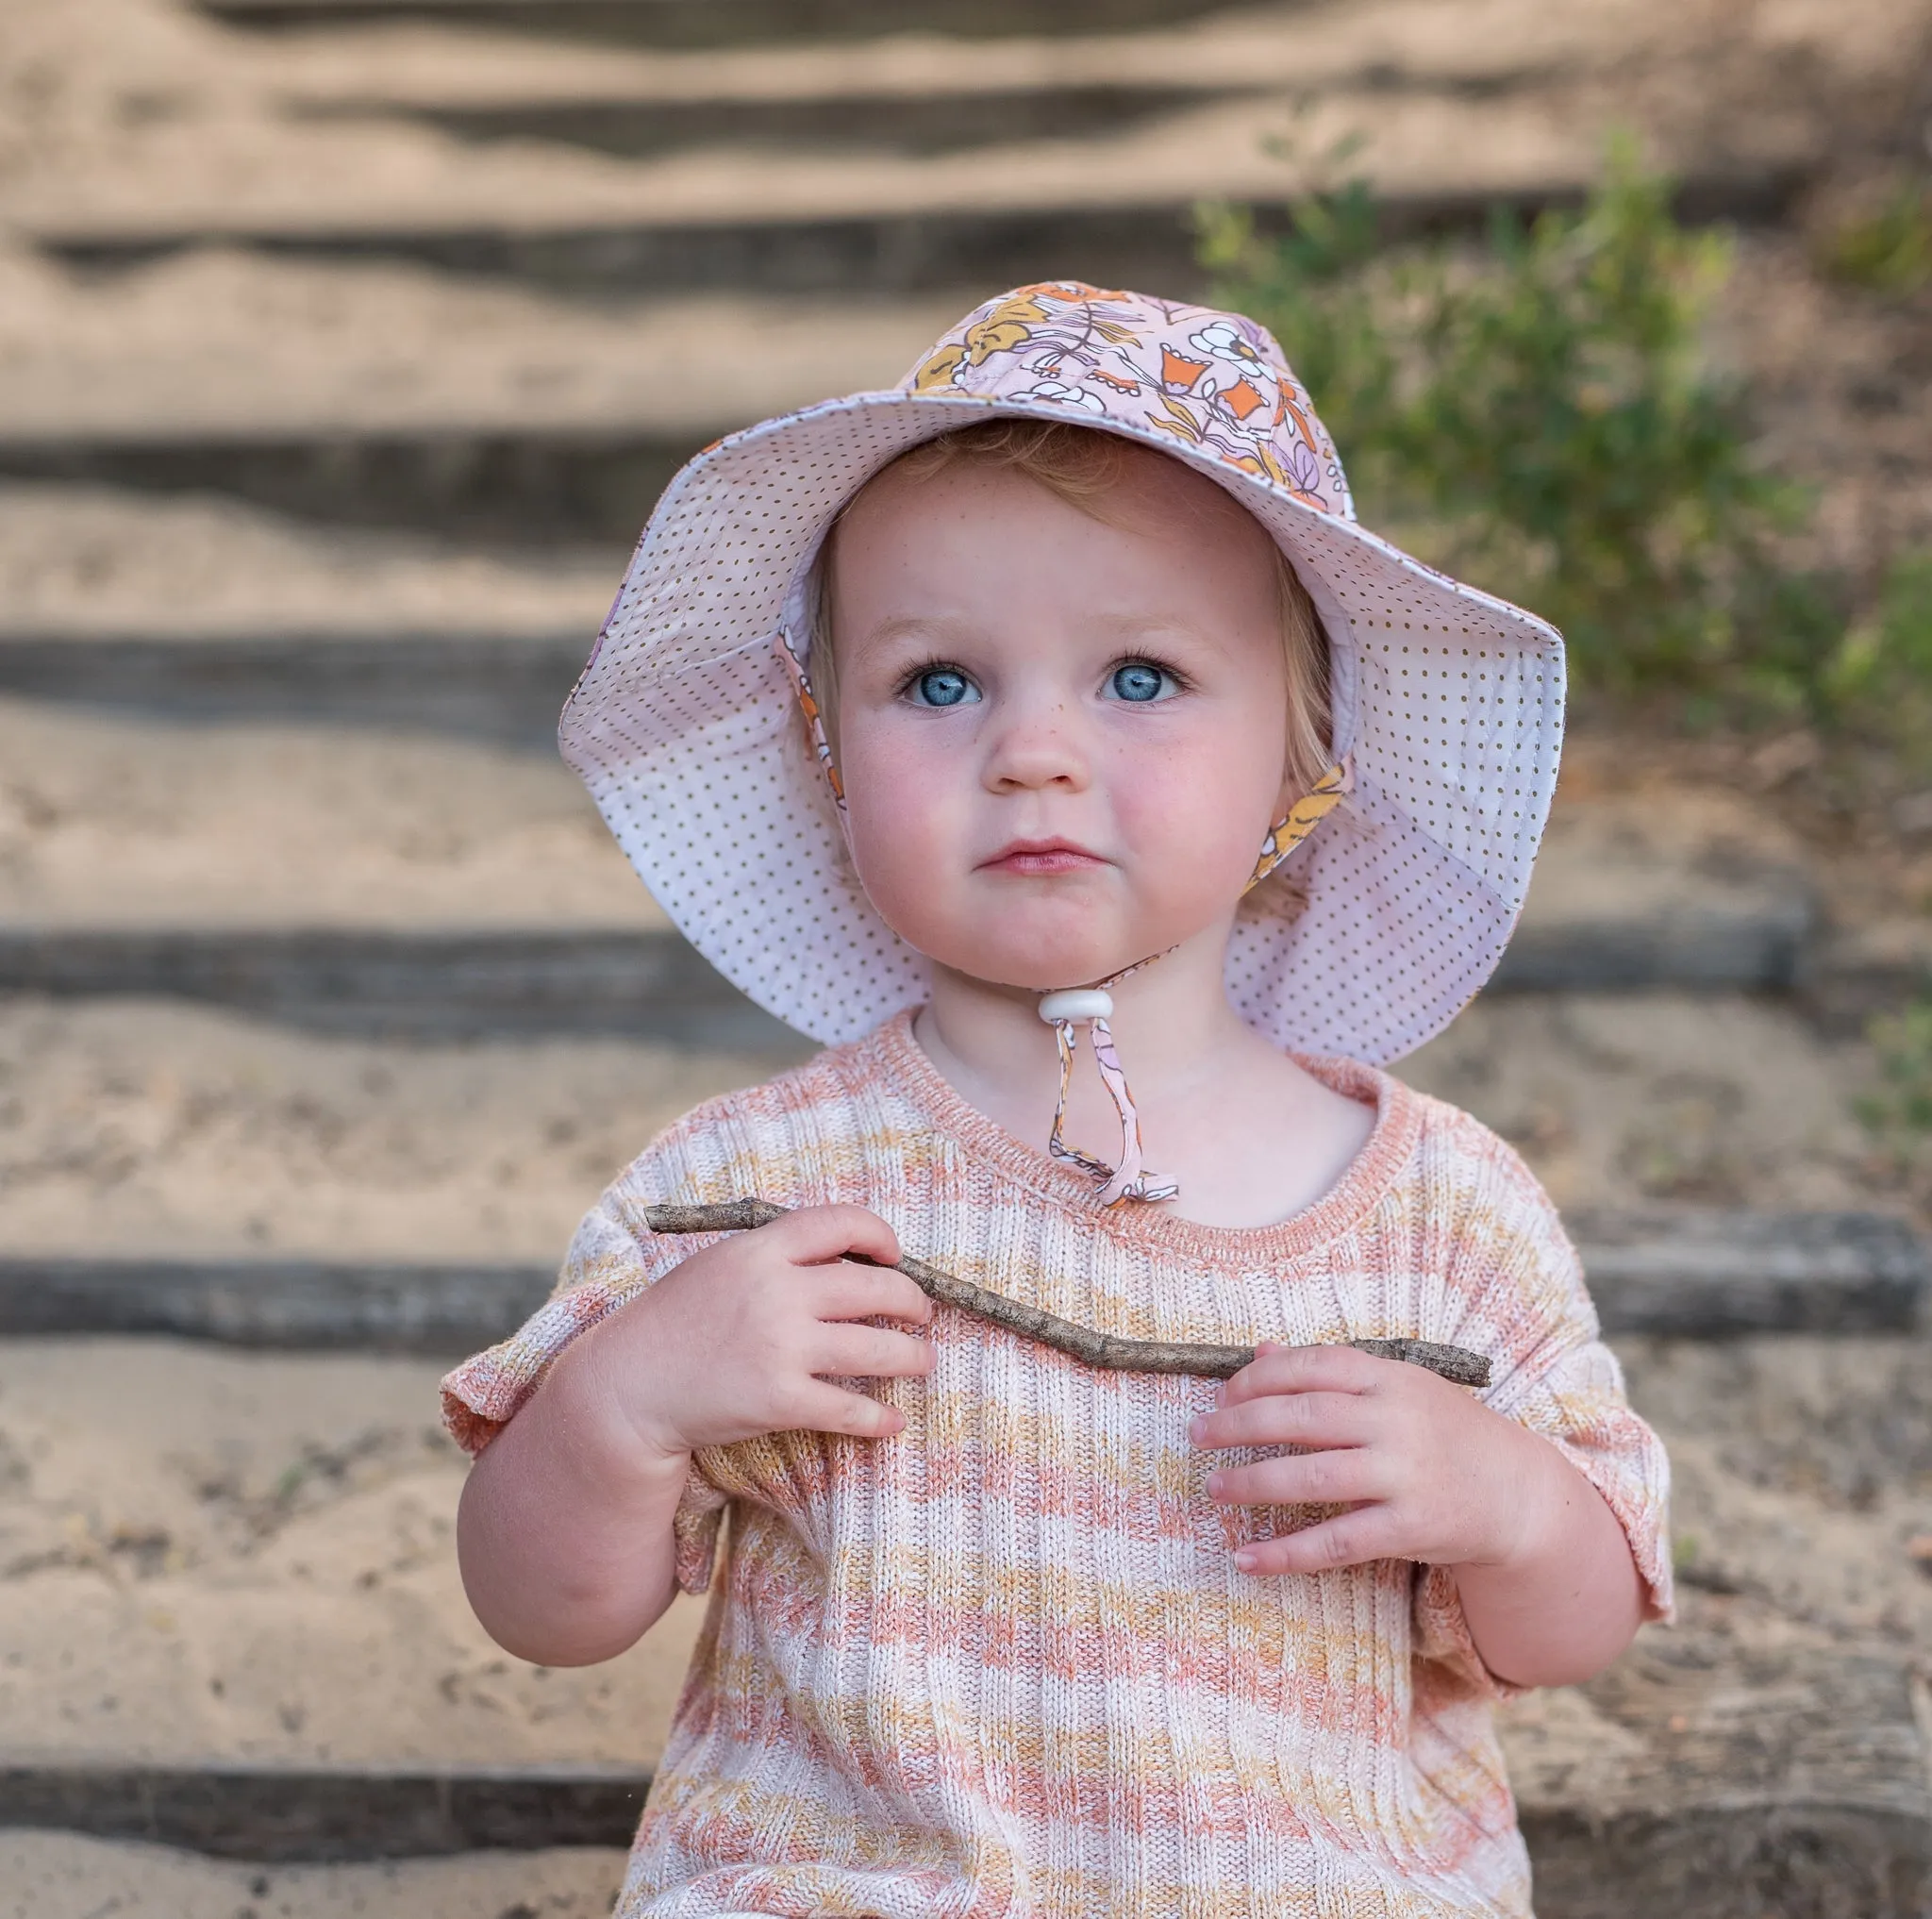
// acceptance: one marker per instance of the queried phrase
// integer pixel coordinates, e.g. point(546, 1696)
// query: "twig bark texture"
point(1455, 1363)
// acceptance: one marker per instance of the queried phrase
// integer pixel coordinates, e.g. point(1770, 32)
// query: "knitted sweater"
point(1002, 1663)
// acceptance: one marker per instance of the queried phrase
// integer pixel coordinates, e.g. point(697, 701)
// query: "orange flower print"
point(1240, 399)
point(1178, 371)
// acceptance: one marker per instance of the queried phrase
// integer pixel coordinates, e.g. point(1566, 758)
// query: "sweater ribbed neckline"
point(1388, 1149)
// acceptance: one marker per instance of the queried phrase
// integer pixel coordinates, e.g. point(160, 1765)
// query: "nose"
point(1037, 745)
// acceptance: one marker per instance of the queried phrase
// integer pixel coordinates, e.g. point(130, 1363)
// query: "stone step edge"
point(891, 250)
point(432, 984)
point(289, 1814)
point(695, 21)
point(1684, 1275)
point(465, 981)
point(497, 686)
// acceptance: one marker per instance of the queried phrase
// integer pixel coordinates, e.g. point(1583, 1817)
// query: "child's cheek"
point(907, 831)
point(1193, 818)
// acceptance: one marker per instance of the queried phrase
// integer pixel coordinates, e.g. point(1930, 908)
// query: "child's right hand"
point(737, 1340)
point(565, 1532)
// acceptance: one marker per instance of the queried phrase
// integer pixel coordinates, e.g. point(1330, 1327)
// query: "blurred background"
point(343, 346)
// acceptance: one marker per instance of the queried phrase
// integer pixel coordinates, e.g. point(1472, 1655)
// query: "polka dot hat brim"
point(1449, 702)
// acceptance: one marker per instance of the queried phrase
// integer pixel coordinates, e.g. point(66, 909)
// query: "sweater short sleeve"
point(606, 1268)
point(1527, 1307)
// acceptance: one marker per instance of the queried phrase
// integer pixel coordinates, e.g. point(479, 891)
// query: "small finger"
point(1302, 1369)
point(1354, 1539)
point(824, 1408)
point(1331, 1478)
point(815, 1234)
point(1282, 1419)
point(871, 1352)
point(843, 1291)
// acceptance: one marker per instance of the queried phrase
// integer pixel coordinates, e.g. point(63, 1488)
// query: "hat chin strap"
point(1093, 1007)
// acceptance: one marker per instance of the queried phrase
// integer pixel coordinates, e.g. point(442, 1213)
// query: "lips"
point(1041, 859)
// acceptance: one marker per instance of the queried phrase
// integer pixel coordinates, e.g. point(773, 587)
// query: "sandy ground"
point(163, 1128)
point(111, 820)
point(1803, 1481)
point(96, 562)
point(210, 1553)
point(1627, 1100)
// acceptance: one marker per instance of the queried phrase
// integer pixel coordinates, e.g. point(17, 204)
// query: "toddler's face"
point(1062, 739)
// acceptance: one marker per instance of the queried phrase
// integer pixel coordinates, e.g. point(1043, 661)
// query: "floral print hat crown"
point(1447, 704)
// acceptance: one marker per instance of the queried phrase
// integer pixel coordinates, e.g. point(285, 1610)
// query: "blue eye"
point(1138, 681)
point(943, 686)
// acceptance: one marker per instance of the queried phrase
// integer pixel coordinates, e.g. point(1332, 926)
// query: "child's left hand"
point(1428, 1471)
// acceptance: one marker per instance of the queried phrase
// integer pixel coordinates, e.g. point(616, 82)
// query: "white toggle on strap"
point(1076, 1003)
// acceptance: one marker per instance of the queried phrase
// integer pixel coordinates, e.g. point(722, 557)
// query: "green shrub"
point(1878, 680)
point(1899, 1113)
point(1887, 249)
point(1536, 413)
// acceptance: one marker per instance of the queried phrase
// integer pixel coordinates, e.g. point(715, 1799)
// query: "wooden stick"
point(1454, 1363)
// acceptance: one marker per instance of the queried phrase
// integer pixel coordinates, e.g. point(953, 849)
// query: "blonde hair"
point(1083, 466)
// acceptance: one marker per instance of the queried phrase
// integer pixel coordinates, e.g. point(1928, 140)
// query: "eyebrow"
point(1128, 628)
point(908, 627)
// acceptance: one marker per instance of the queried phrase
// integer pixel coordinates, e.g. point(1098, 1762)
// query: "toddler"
point(1048, 713)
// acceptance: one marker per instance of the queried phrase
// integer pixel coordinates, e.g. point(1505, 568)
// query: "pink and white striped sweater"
point(1002, 1663)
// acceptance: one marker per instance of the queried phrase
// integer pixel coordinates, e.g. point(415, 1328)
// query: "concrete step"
point(230, 1584)
point(1698, 1275)
point(503, 687)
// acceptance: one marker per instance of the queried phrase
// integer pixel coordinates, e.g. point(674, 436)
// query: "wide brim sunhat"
point(1447, 702)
